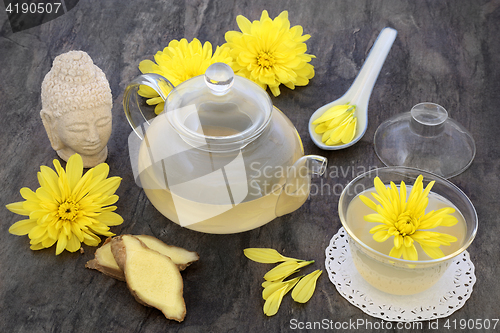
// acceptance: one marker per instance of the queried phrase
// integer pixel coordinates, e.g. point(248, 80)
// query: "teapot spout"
point(298, 183)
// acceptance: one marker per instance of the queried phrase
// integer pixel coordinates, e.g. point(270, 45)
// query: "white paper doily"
point(447, 296)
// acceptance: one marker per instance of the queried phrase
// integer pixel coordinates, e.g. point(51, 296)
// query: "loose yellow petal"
point(285, 269)
point(274, 286)
point(265, 256)
point(304, 290)
point(266, 284)
point(273, 302)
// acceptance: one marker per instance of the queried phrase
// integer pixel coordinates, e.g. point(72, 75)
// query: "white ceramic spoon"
point(359, 92)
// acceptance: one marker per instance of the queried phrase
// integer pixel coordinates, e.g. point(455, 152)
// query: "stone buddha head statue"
point(76, 108)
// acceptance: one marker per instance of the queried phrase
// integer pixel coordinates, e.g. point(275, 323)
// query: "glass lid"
point(427, 139)
point(218, 111)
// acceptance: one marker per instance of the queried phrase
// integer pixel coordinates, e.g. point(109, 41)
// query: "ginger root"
point(153, 278)
point(180, 256)
point(105, 262)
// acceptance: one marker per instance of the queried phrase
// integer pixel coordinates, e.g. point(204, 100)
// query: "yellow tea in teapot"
point(216, 192)
point(225, 218)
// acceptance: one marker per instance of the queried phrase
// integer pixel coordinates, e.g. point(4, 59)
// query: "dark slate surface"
point(445, 52)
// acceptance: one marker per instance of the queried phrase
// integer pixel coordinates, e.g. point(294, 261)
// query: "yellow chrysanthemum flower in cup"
point(270, 53)
point(406, 220)
point(178, 62)
point(68, 208)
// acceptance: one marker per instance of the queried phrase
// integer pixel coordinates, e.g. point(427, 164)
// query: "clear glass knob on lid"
point(427, 139)
point(219, 78)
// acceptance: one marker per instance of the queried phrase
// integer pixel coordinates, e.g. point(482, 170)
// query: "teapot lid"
point(218, 111)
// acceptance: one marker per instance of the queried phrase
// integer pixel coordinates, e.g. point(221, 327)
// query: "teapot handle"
point(131, 98)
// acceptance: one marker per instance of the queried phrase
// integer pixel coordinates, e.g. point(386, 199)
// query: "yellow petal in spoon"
point(321, 128)
point(337, 125)
point(340, 119)
point(333, 112)
point(350, 131)
point(339, 132)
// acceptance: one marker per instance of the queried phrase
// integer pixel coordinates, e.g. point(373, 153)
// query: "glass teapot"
point(219, 158)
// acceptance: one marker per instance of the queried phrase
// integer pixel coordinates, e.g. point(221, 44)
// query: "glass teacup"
point(389, 274)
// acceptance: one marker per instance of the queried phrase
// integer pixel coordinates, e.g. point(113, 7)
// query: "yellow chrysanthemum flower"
point(407, 221)
point(178, 62)
point(68, 208)
point(270, 53)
